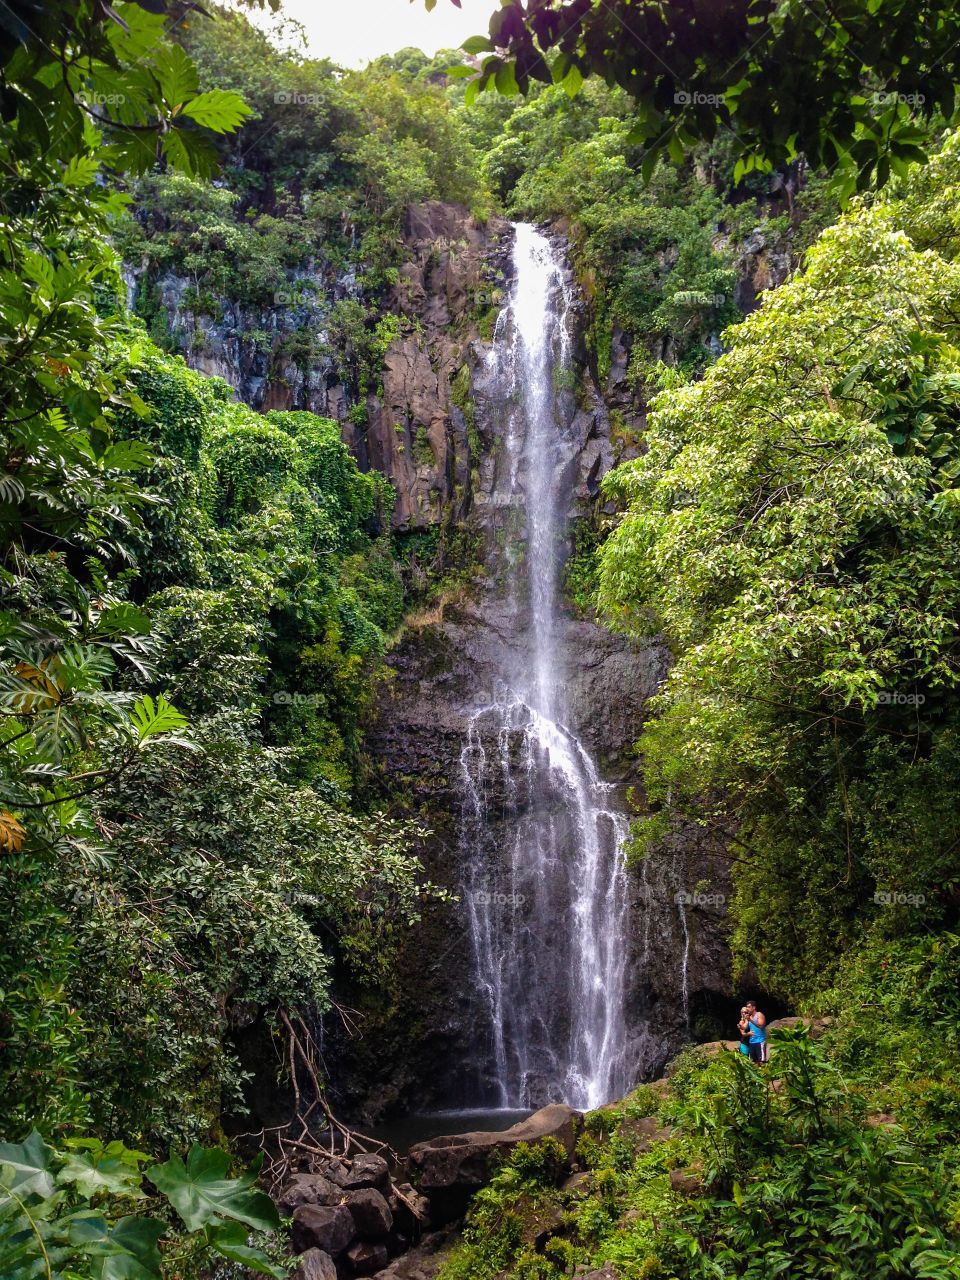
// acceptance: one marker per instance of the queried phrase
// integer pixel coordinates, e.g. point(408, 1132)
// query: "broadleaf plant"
point(62, 1213)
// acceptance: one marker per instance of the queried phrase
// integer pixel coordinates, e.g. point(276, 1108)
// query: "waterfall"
point(544, 892)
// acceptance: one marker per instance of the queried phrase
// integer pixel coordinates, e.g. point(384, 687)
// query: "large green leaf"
point(127, 455)
point(201, 1192)
point(25, 1167)
point(177, 75)
point(230, 1240)
point(154, 718)
point(91, 1176)
point(126, 1250)
point(218, 109)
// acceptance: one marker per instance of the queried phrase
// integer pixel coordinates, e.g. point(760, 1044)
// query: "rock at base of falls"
point(326, 1227)
point(308, 1188)
point(366, 1171)
point(449, 1169)
point(315, 1264)
point(371, 1213)
point(367, 1258)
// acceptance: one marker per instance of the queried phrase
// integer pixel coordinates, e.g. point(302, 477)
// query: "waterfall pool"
point(405, 1131)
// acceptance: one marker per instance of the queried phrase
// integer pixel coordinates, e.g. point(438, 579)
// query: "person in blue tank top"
point(757, 1032)
point(743, 1026)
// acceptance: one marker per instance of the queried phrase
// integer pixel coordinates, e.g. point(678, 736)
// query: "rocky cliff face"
point(251, 347)
point(434, 427)
point(679, 963)
point(421, 428)
point(452, 659)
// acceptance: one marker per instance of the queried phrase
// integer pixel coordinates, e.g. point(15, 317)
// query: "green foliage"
point(894, 1031)
point(542, 1162)
point(252, 459)
point(167, 556)
point(788, 1175)
point(582, 567)
point(844, 87)
point(612, 1214)
point(648, 246)
point(85, 86)
point(494, 1234)
point(799, 1183)
point(77, 1213)
point(790, 530)
point(330, 161)
point(240, 858)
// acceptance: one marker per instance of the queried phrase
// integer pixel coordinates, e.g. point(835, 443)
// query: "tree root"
point(287, 1146)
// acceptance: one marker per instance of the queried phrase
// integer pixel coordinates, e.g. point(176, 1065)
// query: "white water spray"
point(545, 891)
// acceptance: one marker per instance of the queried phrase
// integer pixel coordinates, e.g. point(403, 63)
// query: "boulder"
point(336, 1171)
point(424, 1260)
point(365, 1257)
point(315, 1265)
point(326, 1227)
point(578, 1186)
point(546, 1224)
point(371, 1213)
point(645, 1130)
point(308, 1188)
point(411, 1210)
point(367, 1171)
point(448, 1169)
point(687, 1182)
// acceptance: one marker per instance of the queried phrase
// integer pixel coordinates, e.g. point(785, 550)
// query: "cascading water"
point(545, 889)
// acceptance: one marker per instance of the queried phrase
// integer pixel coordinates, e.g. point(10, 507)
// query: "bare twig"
point(297, 1141)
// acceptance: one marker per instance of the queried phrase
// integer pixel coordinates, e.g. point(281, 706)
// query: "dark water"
point(403, 1132)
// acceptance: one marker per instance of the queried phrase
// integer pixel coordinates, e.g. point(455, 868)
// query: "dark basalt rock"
point(411, 1213)
point(315, 1265)
point(367, 1171)
point(371, 1213)
point(327, 1227)
point(425, 1259)
point(448, 1169)
point(366, 1258)
point(439, 673)
point(308, 1188)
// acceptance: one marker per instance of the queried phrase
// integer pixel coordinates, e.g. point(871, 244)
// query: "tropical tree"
point(793, 529)
point(843, 84)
